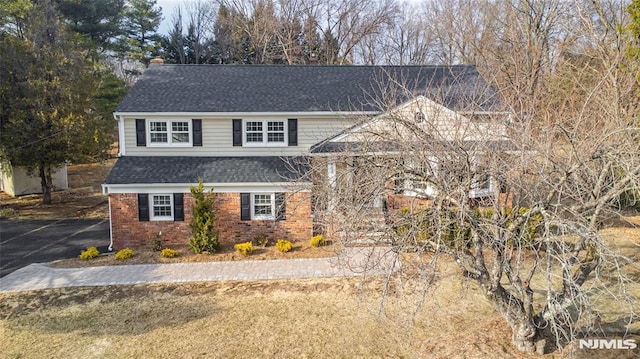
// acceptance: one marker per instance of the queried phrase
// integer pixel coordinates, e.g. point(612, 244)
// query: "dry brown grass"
point(318, 318)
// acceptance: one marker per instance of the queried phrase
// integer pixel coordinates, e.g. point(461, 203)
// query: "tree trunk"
point(523, 329)
point(45, 182)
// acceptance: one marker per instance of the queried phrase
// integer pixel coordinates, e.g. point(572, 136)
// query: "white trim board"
point(159, 188)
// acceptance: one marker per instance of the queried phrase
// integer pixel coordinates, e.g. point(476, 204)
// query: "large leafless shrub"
point(517, 202)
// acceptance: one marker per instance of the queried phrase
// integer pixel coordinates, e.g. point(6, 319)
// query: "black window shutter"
point(143, 207)
point(281, 210)
point(398, 185)
point(245, 206)
point(178, 207)
point(293, 132)
point(141, 132)
point(197, 132)
point(237, 132)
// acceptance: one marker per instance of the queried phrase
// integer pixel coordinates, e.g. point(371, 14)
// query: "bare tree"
point(349, 22)
point(517, 203)
point(201, 15)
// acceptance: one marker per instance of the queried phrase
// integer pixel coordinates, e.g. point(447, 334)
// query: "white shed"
point(16, 181)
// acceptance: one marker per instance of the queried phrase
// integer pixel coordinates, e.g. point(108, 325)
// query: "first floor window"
point(161, 207)
point(262, 206)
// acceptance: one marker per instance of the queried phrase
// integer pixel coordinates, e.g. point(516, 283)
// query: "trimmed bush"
point(169, 253)
point(244, 248)
point(157, 243)
point(90, 253)
point(204, 237)
point(317, 240)
point(124, 254)
point(261, 240)
point(284, 246)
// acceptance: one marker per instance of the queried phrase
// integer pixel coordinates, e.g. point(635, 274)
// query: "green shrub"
point(444, 228)
point(203, 236)
point(244, 248)
point(169, 253)
point(157, 243)
point(7, 212)
point(124, 254)
point(261, 240)
point(317, 240)
point(283, 245)
point(90, 253)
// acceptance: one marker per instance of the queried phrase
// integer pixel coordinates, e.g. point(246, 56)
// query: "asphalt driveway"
point(23, 242)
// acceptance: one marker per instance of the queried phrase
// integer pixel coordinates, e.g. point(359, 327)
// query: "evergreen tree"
point(98, 20)
point(141, 40)
point(46, 90)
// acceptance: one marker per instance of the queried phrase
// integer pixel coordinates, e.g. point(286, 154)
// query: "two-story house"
point(249, 132)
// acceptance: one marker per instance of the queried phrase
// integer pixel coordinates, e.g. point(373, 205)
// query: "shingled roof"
point(185, 169)
point(282, 88)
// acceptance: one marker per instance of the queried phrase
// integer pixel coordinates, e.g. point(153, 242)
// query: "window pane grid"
point(158, 137)
point(158, 126)
point(158, 132)
point(254, 137)
point(254, 126)
point(180, 137)
point(265, 132)
point(180, 126)
point(275, 131)
point(262, 205)
point(275, 137)
point(161, 206)
point(169, 132)
point(275, 126)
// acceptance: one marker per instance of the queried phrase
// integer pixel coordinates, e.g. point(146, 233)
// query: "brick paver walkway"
point(353, 261)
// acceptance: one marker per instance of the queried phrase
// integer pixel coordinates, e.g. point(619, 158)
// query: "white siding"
point(439, 122)
point(16, 181)
point(217, 138)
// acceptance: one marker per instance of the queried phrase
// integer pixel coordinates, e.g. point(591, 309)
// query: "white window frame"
point(477, 191)
point(269, 217)
point(152, 215)
point(412, 189)
point(265, 133)
point(170, 142)
point(425, 190)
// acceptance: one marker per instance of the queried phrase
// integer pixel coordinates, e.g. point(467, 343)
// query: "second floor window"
point(168, 133)
point(265, 133)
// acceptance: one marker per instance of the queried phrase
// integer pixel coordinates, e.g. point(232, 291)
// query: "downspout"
point(121, 152)
point(121, 139)
point(110, 226)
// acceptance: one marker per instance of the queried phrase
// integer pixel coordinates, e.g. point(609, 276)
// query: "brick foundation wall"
point(128, 231)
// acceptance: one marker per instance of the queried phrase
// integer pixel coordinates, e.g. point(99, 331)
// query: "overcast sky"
point(168, 6)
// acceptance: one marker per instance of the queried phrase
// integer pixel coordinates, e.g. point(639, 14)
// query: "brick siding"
point(128, 231)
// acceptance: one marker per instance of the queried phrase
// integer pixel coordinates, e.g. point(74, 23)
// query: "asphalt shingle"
point(280, 88)
point(184, 169)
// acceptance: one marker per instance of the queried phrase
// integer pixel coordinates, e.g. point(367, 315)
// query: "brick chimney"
point(313, 58)
point(156, 61)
